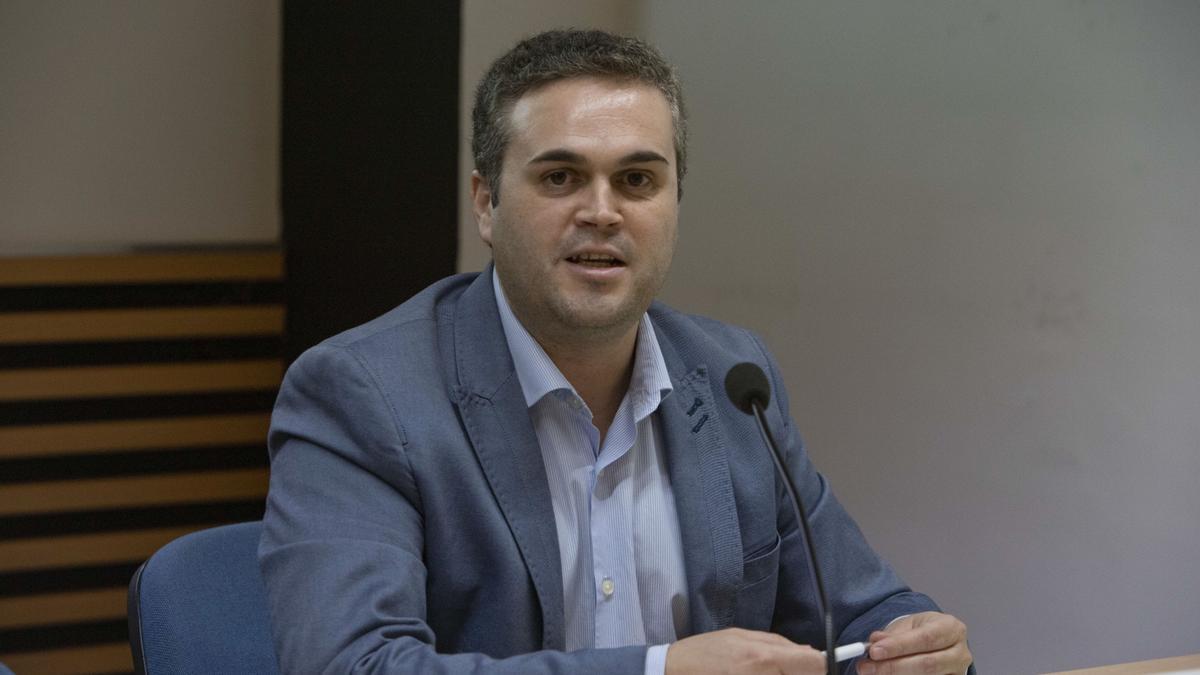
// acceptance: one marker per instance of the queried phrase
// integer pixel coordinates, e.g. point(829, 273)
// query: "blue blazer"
point(409, 527)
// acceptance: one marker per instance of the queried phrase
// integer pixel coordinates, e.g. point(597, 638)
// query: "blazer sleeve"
point(341, 552)
point(864, 591)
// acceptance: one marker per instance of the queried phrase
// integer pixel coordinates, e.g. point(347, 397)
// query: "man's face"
point(585, 227)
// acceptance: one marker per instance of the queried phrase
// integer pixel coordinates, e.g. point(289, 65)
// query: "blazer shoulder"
point(403, 343)
point(703, 340)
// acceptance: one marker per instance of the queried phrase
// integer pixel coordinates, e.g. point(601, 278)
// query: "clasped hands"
point(929, 643)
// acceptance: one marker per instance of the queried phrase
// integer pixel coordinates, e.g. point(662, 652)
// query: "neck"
point(599, 371)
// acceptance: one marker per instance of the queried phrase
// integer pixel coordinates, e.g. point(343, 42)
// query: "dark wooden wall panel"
point(369, 158)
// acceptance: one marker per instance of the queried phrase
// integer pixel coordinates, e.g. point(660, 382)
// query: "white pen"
point(849, 651)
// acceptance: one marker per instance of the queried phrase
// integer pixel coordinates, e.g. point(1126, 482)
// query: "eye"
point(560, 179)
point(638, 180)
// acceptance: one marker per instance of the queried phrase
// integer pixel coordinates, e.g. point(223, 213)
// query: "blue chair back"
point(198, 606)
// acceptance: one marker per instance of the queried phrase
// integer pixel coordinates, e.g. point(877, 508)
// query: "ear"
point(481, 205)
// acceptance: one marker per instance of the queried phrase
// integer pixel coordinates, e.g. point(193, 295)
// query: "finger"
point(763, 652)
point(771, 652)
point(800, 659)
point(952, 661)
point(763, 638)
point(936, 634)
point(881, 634)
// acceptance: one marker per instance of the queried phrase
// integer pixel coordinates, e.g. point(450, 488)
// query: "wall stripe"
point(94, 659)
point(136, 518)
point(129, 352)
point(163, 405)
point(128, 324)
point(142, 268)
point(83, 437)
point(84, 549)
point(133, 463)
point(46, 298)
point(65, 579)
point(47, 383)
point(50, 608)
point(79, 495)
point(65, 634)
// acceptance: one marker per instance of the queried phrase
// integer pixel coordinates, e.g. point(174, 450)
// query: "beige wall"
point(138, 123)
point(970, 233)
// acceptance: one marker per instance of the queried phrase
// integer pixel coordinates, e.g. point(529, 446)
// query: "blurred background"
point(968, 230)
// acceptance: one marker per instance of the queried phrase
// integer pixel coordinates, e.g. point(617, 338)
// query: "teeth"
point(595, 257)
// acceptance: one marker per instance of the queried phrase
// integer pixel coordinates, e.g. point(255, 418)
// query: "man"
point(536, 469)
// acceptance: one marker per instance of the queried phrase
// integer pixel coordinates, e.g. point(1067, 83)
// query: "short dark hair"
point(559, 55)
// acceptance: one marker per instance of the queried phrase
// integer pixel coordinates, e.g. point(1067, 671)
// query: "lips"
point(597, 260)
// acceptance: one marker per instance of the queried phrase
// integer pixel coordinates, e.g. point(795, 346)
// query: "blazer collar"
point(482, 361)
point(493, 410)
point(696, 448)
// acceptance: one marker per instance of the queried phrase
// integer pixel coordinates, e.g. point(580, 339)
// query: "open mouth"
point(597, 260)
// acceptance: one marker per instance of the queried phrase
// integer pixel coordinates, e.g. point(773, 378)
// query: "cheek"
point(519, 242)
point(661, 232)
point(665, 247)
point(530, 229)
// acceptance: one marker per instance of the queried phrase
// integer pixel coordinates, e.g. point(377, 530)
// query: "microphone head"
point(746, 384)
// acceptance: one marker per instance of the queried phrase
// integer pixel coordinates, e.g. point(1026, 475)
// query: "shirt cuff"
point(656, 660)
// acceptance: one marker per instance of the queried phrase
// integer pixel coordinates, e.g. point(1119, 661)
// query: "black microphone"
point(747, 387)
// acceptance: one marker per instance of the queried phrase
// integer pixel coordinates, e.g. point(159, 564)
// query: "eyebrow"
point(572, 157)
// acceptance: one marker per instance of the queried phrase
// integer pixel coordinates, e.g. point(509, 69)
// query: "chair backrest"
point(198, 606)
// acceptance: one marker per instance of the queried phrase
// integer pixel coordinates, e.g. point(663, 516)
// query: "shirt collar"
point(648, 386)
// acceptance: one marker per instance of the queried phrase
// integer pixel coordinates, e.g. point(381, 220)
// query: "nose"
point(601, 207)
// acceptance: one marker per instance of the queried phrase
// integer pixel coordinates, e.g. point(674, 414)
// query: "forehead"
point(591, 116)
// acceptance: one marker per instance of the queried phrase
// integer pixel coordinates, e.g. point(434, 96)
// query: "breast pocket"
point(756, 595)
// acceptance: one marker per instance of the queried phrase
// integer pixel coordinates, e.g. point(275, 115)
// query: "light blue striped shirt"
point(618, 535)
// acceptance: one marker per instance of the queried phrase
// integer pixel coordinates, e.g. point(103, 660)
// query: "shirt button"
point(607, 587)
point(576, 403)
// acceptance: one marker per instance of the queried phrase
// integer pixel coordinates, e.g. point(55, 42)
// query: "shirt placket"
point(618, 615)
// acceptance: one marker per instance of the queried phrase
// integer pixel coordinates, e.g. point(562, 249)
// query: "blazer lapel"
point(493, 410)
point(699, 471)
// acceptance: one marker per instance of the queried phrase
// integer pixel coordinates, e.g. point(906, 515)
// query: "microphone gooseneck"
point(747, 387)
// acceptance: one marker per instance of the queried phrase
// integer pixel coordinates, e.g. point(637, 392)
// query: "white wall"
point(970, 232)
point(138, 123)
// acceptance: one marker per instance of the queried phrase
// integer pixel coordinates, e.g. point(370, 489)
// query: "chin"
point(599, 318)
